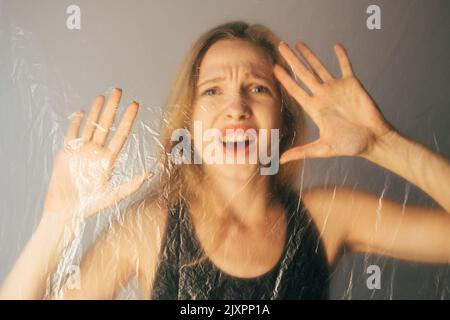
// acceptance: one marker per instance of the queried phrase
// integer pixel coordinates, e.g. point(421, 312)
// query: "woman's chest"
point(243, 253)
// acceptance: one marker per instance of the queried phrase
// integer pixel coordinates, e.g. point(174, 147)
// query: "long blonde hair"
point(188, 181)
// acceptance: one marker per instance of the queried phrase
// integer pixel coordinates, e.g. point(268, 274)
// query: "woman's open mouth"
point(238, 141)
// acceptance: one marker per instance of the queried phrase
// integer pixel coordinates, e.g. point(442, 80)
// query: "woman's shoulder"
point(332, 202)
point(145, 223)
point(327, 208)
point(145, 217)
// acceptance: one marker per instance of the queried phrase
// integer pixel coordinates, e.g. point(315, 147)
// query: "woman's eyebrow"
point(248, 75)
point(262, 77)
point(212, 80)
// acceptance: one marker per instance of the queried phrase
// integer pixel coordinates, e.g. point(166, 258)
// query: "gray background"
point(48, 72)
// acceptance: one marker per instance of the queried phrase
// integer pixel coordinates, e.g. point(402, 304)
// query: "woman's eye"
point(260, 89)
point(215, 91)
point(210, 92)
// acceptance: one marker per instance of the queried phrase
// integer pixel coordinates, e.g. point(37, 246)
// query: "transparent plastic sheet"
point(43, 83)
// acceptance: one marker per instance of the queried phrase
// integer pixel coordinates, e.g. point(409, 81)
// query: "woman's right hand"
point(83, 167)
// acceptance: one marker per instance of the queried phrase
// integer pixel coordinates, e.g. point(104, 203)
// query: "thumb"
point(316, 149)
point(127, 188)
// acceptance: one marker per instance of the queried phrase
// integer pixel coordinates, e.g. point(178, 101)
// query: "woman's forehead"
point(247, 69)
point(229, 56)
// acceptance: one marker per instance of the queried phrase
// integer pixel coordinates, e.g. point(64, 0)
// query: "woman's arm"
point(107, 264)
point(350, 124)
point(27, 279)
point(364, 222)
point(402, 231)
point(129, 247)
point(427, 169)
point(79, 187)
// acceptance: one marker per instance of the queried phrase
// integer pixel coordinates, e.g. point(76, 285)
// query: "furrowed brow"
point(252, 74)
point(212, 80)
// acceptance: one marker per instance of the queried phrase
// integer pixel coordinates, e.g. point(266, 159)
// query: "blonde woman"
point(208, 230)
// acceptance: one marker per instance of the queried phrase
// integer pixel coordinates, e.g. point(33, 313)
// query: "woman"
point(211, 230)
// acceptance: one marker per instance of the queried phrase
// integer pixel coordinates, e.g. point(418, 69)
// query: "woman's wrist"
point(384, 147)
point(54, 219)
point(57, 225)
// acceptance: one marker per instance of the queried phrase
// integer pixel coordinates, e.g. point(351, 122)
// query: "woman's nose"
point(238, 108)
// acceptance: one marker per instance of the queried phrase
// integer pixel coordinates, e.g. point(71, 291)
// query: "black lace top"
point(301, 273)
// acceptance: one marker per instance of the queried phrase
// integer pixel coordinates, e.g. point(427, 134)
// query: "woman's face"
point(236, 96)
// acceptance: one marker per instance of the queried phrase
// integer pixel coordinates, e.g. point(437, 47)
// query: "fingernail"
point(118, 89)
point(281, 43)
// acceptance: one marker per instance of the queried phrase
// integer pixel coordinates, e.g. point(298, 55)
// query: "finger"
point(298, 67)
point(344, 61)
point(127, 188)
point(107, 117)
point(124, 129)
point(314, 62)
point(92, 118)
point(300, 95)
point(317, 149)
point(74, 127)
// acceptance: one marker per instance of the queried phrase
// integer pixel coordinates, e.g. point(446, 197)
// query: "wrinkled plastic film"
point(39, 98)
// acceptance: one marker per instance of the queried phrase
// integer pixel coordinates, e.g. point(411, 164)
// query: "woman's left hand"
point(350, 123)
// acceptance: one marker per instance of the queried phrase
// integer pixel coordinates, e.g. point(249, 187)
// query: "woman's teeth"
point(235, 138)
